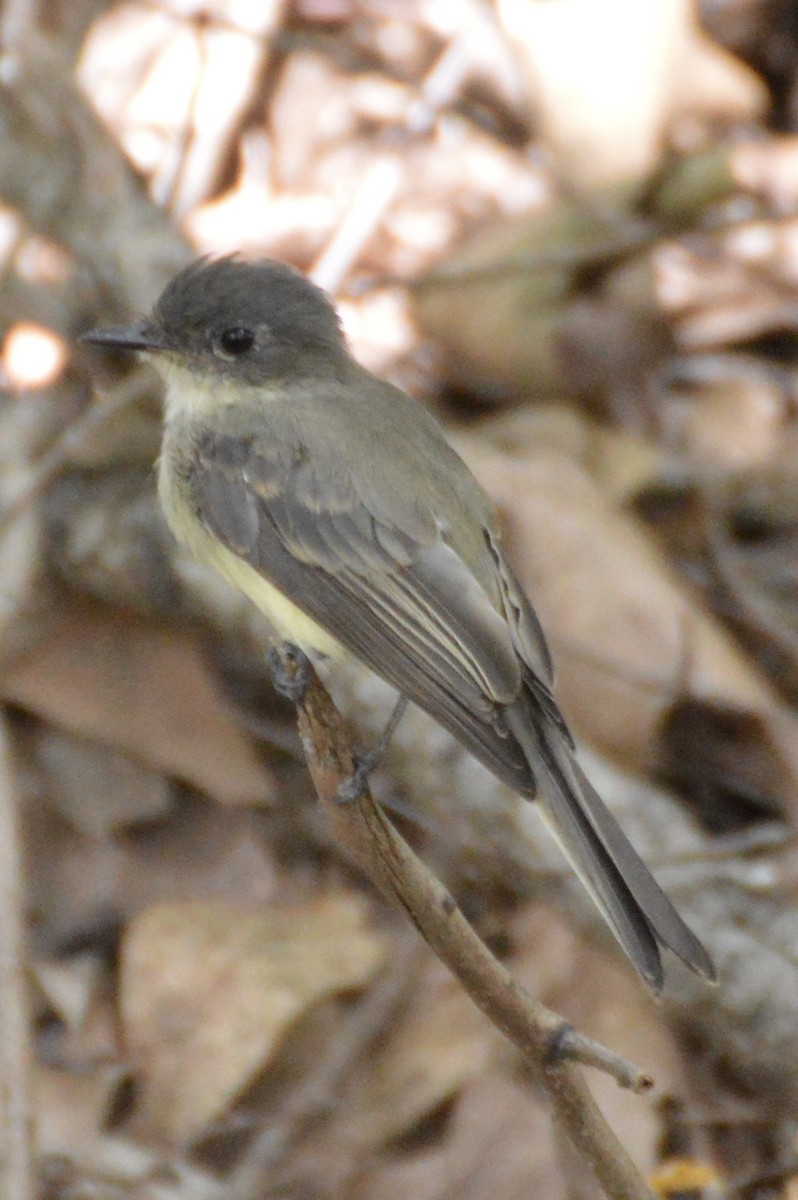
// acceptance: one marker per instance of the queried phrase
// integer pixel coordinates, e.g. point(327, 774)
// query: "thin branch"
point(521, 262)
point(16, 1155)
point(546, 1039)
point(89, 199)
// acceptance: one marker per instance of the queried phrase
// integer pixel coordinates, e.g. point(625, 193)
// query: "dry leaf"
point(425, 1060)
point(733, 766)
point(317, 107)
point(83, 888)
point(512, 310)
point(144, 690)
point(502, 332)
point(717, 86)
point(736, 420)
point(97, 788)
point(70, 1108)
point(208, 991)
point(603, 78)
point(159, 82)
point(628, 637)
point(609, 81)
point(499, 1142)
point(735, 289)
point(623, 464)
point(70, 986)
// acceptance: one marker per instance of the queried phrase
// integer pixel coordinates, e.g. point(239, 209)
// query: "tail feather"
point(620, 884)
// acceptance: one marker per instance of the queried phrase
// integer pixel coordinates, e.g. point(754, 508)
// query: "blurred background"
point(571, 228)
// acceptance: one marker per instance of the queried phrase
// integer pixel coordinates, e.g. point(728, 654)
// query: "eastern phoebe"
point(334, 501)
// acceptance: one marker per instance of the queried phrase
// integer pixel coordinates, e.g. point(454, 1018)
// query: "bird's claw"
point(290, 670)
point(356, 786)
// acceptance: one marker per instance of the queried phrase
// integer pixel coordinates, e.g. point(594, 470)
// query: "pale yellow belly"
point(290, 623)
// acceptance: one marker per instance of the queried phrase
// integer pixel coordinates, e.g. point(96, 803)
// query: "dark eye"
point(236, 341)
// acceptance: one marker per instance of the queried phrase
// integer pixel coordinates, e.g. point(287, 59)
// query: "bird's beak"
point(142, 335)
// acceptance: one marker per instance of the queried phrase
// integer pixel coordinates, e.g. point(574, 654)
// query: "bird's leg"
point(290, 670)
point(355, 786)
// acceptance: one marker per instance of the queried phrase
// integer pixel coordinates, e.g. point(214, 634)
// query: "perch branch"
point(545, 1039)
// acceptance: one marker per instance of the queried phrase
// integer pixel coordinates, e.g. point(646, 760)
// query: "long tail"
point(621, 885)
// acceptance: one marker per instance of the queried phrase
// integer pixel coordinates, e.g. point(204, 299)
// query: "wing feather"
point(408, 606)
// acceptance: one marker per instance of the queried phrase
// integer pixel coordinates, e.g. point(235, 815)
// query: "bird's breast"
point(290, 623)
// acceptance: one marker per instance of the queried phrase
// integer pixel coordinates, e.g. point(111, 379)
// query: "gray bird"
point(334, 501)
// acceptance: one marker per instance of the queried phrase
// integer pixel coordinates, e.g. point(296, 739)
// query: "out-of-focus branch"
point(547, 1040)
point(63, 172)
point(16, 1152)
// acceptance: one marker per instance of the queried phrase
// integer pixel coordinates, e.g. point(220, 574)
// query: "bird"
point(335, 502)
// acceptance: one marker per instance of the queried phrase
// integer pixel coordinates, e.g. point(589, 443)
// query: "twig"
point(173, 187)
point(547, 1040)
point(374, 195)
point(89, 199)
point(16, 1155)
point(521, 262)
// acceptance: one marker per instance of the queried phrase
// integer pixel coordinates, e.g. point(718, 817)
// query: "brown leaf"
point(96, 788)
point(82, 887)
point(735, 767)
point(139, 61)
point(70, 1108)
point(426, 1059)
point(736, 421)
point(499, 1143)
point(209, 989)
point(607, 98)
point(628, 637)
point(145, 691)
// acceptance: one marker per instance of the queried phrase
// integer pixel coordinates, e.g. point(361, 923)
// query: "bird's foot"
point(356, 786)
point(290, 670)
